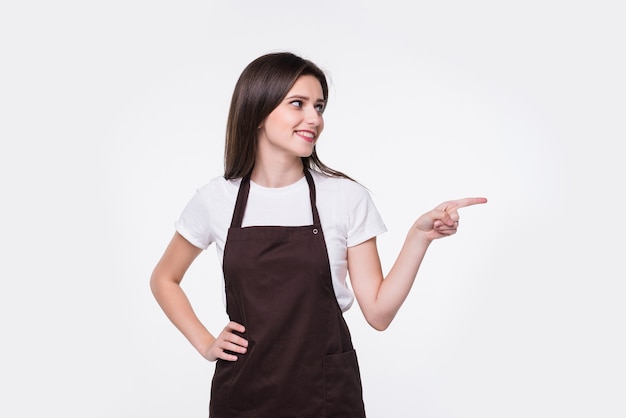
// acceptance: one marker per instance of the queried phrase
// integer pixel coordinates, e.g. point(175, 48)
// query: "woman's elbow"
point(154, 283)
point(158, 282)
point(379, 327)
point(379, 323)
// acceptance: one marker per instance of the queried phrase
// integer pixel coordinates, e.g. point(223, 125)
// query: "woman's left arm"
point(380, 297)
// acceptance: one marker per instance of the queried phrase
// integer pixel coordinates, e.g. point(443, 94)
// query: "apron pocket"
point(342, 386)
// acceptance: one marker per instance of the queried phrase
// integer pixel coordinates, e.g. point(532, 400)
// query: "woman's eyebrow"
point(301, 97)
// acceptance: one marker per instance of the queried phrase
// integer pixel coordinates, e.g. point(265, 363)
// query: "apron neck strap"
point(240, 204)
point(312, 196)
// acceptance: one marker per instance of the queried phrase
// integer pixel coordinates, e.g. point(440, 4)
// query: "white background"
point(113, 113)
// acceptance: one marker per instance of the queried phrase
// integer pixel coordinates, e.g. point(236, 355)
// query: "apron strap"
point(312, 195)
point(240, 205)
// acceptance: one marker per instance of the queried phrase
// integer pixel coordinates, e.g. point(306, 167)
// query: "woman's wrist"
point(419, 237)
point(203, 343)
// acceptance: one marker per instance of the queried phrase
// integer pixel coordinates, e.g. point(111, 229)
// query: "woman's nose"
point(313, 116)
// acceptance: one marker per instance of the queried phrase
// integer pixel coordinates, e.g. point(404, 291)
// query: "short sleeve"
point(364, 220)
point(194, 222)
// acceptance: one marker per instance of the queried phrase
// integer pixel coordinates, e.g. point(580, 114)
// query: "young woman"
point(288, 229)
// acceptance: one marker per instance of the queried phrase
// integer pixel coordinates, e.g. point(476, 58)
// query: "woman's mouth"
point(306, 135)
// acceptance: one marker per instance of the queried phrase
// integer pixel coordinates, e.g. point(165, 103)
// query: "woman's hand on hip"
point(228, 340)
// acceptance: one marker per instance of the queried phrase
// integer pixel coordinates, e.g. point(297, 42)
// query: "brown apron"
point(300, 361)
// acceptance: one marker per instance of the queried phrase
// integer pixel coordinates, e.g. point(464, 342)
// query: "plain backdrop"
point(112, 114)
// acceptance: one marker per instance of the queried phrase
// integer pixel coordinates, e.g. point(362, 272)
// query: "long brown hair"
point(261, 87)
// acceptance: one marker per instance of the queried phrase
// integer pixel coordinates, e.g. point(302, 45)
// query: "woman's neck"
point(278, 173)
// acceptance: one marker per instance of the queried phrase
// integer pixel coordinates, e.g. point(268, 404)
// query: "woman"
point(288, 229)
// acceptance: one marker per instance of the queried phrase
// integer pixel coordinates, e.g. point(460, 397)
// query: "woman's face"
point(296, 123)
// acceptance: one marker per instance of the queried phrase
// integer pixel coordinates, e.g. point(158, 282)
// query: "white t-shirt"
point(347, 214)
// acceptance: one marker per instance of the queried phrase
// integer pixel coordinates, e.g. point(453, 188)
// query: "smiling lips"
point(306, 135)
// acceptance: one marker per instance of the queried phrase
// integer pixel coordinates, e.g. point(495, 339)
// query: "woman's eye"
point(319, 107)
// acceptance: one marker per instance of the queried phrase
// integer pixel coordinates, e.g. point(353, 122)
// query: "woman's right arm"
point(165, 286)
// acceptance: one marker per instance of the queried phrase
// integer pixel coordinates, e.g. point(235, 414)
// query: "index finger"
point(468, 201)
point(235, 326)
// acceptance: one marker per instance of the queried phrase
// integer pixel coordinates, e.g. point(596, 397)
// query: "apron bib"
point(300, 360)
